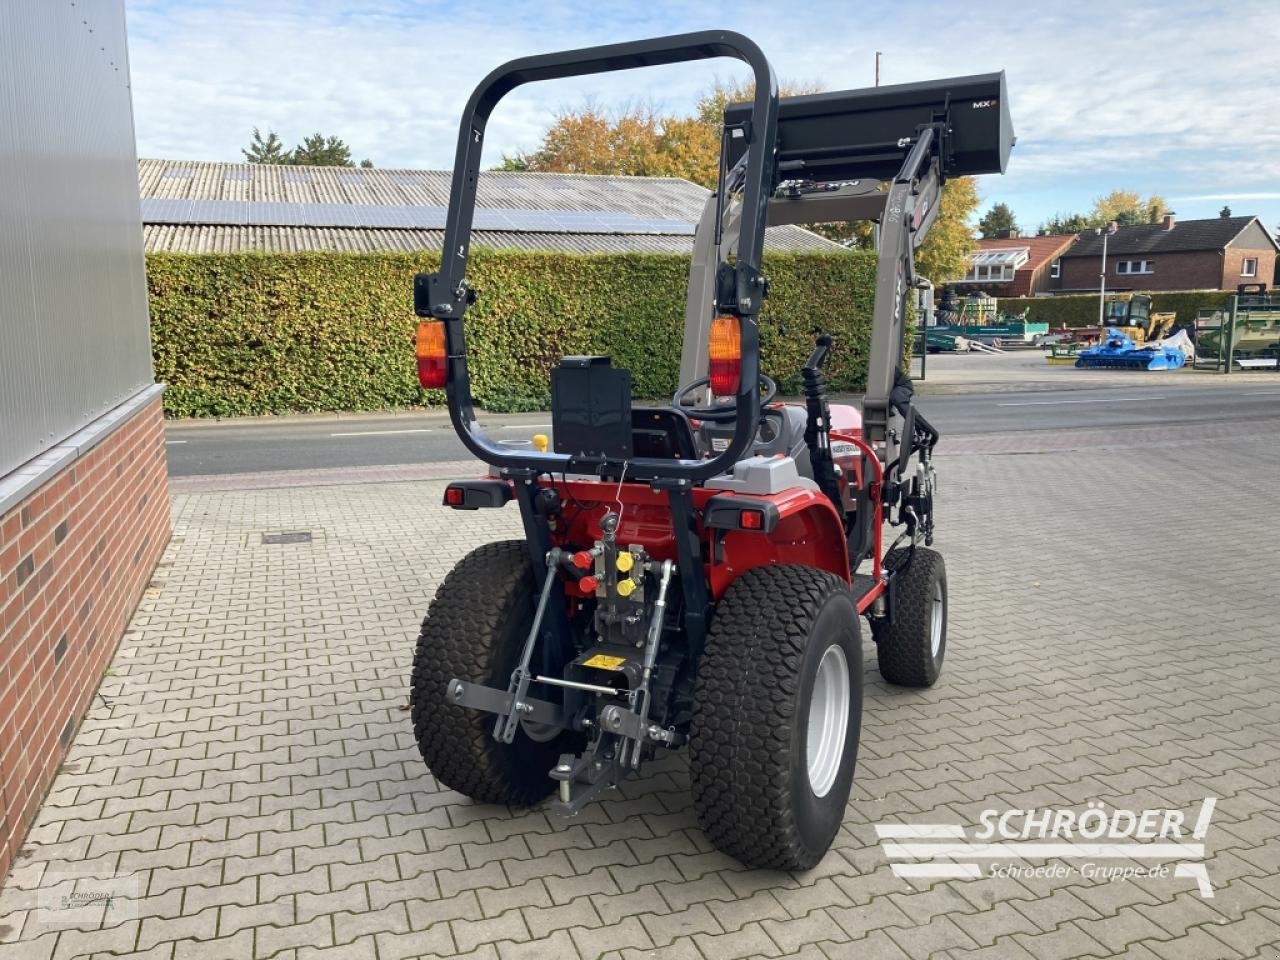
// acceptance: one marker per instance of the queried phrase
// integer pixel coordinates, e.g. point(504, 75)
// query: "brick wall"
point(1201, 270)
point(75, 557)
point(1234, 263)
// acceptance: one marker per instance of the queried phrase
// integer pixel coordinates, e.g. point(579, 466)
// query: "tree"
point(944, 255)
point(638, 141)
point(998, 221)
point(269, 150)
point(316, 150)
point(1064, 223)
point(1126, 207)
point(1225, 212)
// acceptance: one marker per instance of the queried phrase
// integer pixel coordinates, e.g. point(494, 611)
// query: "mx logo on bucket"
point(1096, 843)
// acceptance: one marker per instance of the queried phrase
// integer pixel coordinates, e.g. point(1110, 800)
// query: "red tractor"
point(693, 574)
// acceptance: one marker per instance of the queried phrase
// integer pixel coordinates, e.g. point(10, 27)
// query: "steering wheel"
point(723, 411)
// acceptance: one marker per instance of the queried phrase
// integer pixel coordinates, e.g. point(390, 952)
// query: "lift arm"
point(909, 212)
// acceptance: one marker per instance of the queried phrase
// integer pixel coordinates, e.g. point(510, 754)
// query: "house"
point(200, 207)
point(1014, 266)
point(1215, 254)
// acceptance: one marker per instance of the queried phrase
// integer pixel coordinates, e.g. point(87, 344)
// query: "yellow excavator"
point(1130, 313)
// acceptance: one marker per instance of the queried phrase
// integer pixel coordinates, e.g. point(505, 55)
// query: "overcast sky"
point(1171, 97)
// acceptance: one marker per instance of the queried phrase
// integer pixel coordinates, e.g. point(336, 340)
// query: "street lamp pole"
point(1102, 286)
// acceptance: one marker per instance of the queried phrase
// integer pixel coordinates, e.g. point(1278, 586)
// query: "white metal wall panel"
point(74, 338)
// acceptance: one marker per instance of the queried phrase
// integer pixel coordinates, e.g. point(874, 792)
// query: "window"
point(1249, 267)
point(996, 266)
point(1135, 266)
point(1055, 269)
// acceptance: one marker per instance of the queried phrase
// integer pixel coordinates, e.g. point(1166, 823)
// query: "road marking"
point(524, 426)
point(1050, 403)
point(381, 433)
point(168, 442)
point(1263, 393)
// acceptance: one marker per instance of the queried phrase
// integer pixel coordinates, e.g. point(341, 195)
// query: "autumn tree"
point(638, 141)
point(997, 222)
point(944, 255)
point(1126, 207)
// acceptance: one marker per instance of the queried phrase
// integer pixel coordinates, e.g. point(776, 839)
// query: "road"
point(305, 443)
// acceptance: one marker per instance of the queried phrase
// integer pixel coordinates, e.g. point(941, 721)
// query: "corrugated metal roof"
point(618, 214)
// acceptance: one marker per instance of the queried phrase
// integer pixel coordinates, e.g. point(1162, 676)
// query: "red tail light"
point(724, 356)
point(433, 356)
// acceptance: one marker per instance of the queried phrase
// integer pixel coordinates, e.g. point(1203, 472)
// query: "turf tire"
point(905, 646)
point(747, 749)
point(474, 630)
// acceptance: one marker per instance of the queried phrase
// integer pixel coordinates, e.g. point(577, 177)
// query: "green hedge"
point(1082, 310)
point(247, 334)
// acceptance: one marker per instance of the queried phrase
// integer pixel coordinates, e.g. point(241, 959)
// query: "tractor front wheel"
point(776, 716)
point(475, 630)
point(912, 646)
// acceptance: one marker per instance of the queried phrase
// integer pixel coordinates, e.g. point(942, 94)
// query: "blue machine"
point(1119, 351)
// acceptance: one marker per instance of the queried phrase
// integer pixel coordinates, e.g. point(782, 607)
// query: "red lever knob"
point(582, 560)
point(587, 585)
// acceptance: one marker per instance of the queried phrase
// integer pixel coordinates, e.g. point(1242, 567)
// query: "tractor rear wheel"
point(776, 715)
point(475, 630)
point(912, 647)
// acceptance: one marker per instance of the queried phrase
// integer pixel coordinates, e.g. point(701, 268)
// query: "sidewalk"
point(246, 785)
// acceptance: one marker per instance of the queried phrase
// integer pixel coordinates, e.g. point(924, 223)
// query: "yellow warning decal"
point(604, 662)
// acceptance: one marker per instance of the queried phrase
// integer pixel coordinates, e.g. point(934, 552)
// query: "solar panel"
point(218, 211)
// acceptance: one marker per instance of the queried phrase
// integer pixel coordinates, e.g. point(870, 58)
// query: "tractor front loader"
point(693, 575)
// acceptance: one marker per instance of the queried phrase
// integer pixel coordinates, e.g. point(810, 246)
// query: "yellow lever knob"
point(625, 562)
point(626, 588)
point(540, 441)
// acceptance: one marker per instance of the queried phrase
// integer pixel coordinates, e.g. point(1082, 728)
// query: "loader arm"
point(910, 210)
point(882, 155)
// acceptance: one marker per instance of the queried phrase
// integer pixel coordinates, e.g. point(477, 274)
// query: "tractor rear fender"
point(803, 527)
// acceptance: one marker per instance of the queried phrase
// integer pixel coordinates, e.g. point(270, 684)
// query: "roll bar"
point(446, 296)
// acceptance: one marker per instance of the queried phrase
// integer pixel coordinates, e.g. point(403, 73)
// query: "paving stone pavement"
point(247, 784)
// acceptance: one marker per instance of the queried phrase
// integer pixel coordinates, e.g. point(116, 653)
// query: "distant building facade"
point(1214, 254)
point(1014, 266)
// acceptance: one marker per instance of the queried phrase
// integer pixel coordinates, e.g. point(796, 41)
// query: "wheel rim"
point(936, 619)
point(828, 720)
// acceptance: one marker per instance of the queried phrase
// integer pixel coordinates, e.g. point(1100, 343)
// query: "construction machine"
point(1130, 314)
